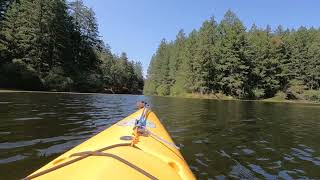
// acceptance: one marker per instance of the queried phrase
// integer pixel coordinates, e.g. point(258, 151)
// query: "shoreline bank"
point(229, 98)
point(189, 96)
point(56, 92)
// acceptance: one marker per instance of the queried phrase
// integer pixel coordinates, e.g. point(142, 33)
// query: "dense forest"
point(55, 45)
point(226, 59)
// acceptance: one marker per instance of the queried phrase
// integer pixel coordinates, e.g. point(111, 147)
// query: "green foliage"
point(280, 96)
point(54, 45)
point(88, 82)
point(295, 89)
point(187, 76)
point(149, 88)
point(57, 81)
point(232, 62)
point(204, 57)
point(175, 68)
point(312, 95)
point(258, 93)
point(224, 57)
point(163, 90)
point(19, 75)
point(159, 71)
point(297, 86)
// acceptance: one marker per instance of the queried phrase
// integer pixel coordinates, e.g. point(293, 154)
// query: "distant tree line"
point(55, 45)
point(226, 58)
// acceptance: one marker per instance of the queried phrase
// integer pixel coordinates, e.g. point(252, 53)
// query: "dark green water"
point(219, 139)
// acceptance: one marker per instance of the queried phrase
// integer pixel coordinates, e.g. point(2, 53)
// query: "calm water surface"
point(219, 139)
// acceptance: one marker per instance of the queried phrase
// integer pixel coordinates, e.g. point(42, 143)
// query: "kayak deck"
point(151, 158)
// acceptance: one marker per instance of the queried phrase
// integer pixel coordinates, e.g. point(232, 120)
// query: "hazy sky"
point(137, 26)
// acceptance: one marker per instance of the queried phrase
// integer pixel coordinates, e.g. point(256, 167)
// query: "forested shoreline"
point(55, 45)
point(228, 60)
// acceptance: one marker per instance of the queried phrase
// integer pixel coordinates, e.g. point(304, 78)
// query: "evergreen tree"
point(150, 85)
point(226, 58)
point(46, 45)
point(8, 34)
point(163, 80)
point(85, 36)
point(138, 80)
point(232, 63)
point(312, 63)
point(204, 64)
point(258, 55)
point(186, 75)
point(159, 81)
point(176, 59)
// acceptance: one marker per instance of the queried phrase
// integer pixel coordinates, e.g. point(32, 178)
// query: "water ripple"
point(12, 159)
point(19, 144)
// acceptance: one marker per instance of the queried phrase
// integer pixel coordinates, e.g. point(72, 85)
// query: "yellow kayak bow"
point(121, 152)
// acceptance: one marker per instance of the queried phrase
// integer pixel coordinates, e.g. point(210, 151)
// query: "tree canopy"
point(55, 45)
point(228, 58)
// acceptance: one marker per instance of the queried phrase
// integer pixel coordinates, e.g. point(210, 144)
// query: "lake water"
point(219, 139)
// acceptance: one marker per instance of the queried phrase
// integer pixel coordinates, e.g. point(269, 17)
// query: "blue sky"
point(137, 26)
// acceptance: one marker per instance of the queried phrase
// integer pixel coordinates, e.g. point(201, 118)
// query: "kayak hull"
point(151, 158)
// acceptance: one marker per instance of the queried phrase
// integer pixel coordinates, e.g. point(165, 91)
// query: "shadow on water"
point(219, 139)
